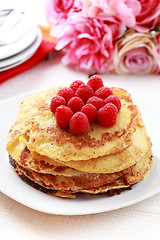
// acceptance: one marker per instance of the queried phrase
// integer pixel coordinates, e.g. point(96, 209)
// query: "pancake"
point(128, 177)
point(105, 164)
point(38, 130)
point(73, 180)
point(54, 160)
point(69, 183)
point(119, 183)
point(88, 180)
point(116, 162)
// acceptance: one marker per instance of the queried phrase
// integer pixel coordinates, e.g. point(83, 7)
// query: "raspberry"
point(84, 92)
point(95, 82)
point(56, 102)
point(79, 123)
point(63, 116)
point(104, 92)
point(75, 104)
point(97, 102)
point(66, 93)
point(107, 115)
point(115, 100)
point(90, 111)
point(75, 85)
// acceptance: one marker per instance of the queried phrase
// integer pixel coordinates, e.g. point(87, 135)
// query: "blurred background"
point(141, 87)
point(35, 8)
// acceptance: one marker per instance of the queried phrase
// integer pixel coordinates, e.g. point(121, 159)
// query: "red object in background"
point(47, 45)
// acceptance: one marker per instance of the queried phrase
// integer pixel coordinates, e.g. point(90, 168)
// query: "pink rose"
point(88, 43)
point(149, 16)
point(125, 10)
point(57, 11)
point(135, 53)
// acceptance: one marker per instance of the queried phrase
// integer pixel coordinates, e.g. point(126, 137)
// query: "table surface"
point(139, 221)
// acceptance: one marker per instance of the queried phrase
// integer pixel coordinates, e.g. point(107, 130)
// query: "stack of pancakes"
point(53, 159)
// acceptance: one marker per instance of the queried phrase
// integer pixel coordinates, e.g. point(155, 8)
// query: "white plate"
point(14, 187)
point(23, 56)
point(18, 46)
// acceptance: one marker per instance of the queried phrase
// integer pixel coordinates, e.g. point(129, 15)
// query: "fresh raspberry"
point(75, 104)
point(115, 100)
point(107, 115)
point(104, 92)
point(63, 116)
point(84, 92)
point(56, 102)
point(66, 93)
point(75, 85)
point(97, 102)
point(95, 82)
point(90, 111)
point(79, 123)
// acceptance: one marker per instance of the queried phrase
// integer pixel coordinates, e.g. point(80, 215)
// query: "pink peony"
point(88, 43)
point(57, 10)
point(149, 16)
point(125, 10)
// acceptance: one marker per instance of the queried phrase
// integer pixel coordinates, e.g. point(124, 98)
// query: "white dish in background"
point(14, 187)
point(18, 46)
point(24, 55)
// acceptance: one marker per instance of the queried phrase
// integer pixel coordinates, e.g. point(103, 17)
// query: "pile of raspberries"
point(80, 104)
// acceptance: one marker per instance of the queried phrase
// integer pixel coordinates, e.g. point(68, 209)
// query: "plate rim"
point(26, 53)
point(31, 37)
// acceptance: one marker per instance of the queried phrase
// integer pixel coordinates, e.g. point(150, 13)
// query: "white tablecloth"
point(139, 221)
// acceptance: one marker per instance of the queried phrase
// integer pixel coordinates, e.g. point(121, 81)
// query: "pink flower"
point(125, 10)
point(158, 53)
point(149, 16)
point(88, 43)
point(135, 53)
point(57, 10)
point(158, 43)
point(138, 59)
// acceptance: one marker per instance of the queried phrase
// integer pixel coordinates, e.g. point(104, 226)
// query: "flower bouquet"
point(107, 36)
